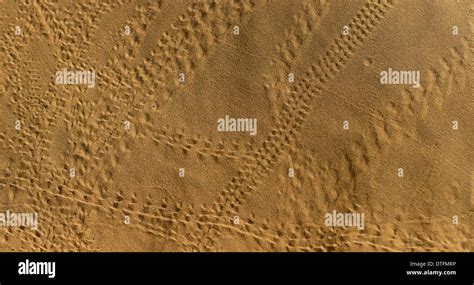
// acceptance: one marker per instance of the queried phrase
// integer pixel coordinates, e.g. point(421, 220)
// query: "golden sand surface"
point(137, 162)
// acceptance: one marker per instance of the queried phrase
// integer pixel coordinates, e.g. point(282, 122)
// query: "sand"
point(137, 162)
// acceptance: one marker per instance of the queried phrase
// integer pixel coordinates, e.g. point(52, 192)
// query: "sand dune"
point(136, 161)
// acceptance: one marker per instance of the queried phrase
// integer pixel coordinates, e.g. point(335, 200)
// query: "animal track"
point(64, 128)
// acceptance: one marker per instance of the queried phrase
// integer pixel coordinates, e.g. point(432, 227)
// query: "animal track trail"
point(36, 131)
point(143, 80)
point(110, 105)
point(298, 105)
point(222, 17)
point(52, 89)
point(40, 109)
point(439, 87)
point(400, 119)
point(63, 34)
point(60, 31)
point(81, 183)
point(202, 147)
point(24, 102)
point(306, 22)
point(113, 106)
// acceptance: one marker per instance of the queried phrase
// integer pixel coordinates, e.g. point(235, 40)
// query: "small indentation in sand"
point(368, 61)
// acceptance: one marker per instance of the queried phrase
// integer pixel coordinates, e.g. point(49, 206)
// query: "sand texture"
point(137, 162)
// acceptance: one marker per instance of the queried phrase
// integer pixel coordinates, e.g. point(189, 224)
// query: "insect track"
point(298, 105)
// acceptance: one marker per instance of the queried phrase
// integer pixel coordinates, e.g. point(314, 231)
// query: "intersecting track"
point(296, 109)
point(298, 105)
point(163, 65)
point(205, 225)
